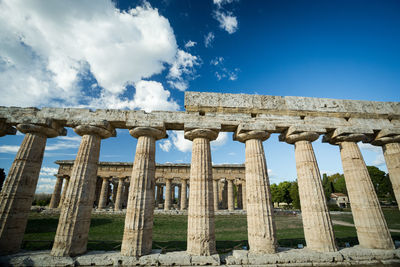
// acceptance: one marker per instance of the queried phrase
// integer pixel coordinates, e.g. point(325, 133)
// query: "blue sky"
point(146, 54)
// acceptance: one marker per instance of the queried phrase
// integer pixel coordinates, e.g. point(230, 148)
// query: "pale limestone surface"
point(231, 197)
point(201, 228)
point(184, 194)
point(138, 230)
point(168, 192)
point(73, 226)
point(118, 202)
point(215, 191)
point(260, 223)
point(391, 151)
point(103, 194)
point(55, 197)
point(19, 188)
point(64, 191)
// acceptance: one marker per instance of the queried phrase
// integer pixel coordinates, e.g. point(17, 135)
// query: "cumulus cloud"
point(227, 21)
point(48, 171)
point(221, 139)
point(165, 145)
point(182, 69)
point(223, 72)
point(208, 39)
point(9, 149)
point(220, 3)
point(48, 50)
point(184, 145)
point(190, 44)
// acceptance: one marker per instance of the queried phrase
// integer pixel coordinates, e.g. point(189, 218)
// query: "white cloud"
point(9, 149)
point(379, 160)
point(226, 20)
point(208, 39)
point(150, 95)
point(181, 69)
point(221, 139)
point(219, 3)
point(370, 147)
point(165, 145)
point(216, 61)
point(190, 44)
point(179, 141)
point(47, 48)
point(222, 72)
point(48, 171)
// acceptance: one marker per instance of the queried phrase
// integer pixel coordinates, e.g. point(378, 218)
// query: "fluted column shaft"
point(64, 191)
point(239, 196)
point(126, 194)
point(183, 194)
point(55, 197)
point(118, 201)
point(201, 228)
point(391, 151)
point(215, 191)
point(18, 191)
point(74, 223)
point(138, 230)
point(231, 196)
point(103, 194)
point(372, 230)
point(167, 203)
point(317, 224)
point(244, 198)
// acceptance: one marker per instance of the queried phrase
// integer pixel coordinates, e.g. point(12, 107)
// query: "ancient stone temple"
point(252, 119)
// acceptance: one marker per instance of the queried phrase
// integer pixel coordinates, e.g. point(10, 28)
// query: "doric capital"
point(348, 134)
point(302, 136)
point(103, 131)
point(256, 134)
point(386, 136)
point(148, 131)
point(42, 130)
point(201, 133)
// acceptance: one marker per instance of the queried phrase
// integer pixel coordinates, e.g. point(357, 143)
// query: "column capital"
point(49, 132)
point(386, 136)
point(347, 134)
point(210, 134)
point(300, 136)
point(6, 129)
point(103, 131)
point(148, 131)
point(255, 134)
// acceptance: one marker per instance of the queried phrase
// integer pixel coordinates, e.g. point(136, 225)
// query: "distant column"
point(201, 228)
point(74, 223)
point(55, 197)
point(19, 188)
point(120, 189)
point(103, 194)
point(372, 230)
point(126, 194)
point(244, 199)
point(215, 190)
point(260, 213)
point(231, 196)
point(167, 204)
point(179, 196)
point(317, 224)
point(64, 191)
point(239, 196)
point(138, 230)
point(183, 194)
point(114, 191)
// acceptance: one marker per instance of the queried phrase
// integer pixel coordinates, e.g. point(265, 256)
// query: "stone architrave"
point(120, 189)
point(64, 191)
point(103, 194)
point(184, 194)
point(168, 194)
point(74, 223)
point(391, 151)
point(201, 227)
point(215, 191)
point(18, 191)
point(55, 197)
point(372, 230)
point(260, 213)
point(317, 224)
point(231, 196)
point(138, 231)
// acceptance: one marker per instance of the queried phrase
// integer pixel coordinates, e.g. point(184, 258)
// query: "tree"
point(380, 180)
point(2, 178)
point(283, 192)
point(327, 185)
point(339, 184)
point(274, 193)
point(294, 195)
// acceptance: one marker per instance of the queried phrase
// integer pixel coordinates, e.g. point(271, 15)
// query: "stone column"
point(201, 228)
point(372, 230)
point(55, 197)
point(179, 196)
point(317, 224)
point(172, 194)
point(231, 196)
point(183, 194)
point(390, 143)
point(119, 200)
point(260, 213)
point(239, 196)
point(215, 192)
point(103, 194)
point(167, 203)
point(126, 193)
point(244, 199)
point(64, 191)
point(114, 192)
point(138, 231)
point(74, 223)
point(19, 188)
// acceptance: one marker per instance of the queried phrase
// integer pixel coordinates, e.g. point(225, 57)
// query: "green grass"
point(169, 231)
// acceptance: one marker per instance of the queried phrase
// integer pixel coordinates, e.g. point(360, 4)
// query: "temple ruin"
point(252, 118)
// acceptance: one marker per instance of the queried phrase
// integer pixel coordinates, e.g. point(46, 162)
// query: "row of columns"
point(73, 228)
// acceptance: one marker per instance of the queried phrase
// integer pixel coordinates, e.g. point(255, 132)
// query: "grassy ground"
point(169, 232)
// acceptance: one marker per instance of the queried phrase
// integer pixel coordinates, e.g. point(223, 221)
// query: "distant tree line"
point(288, 192)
